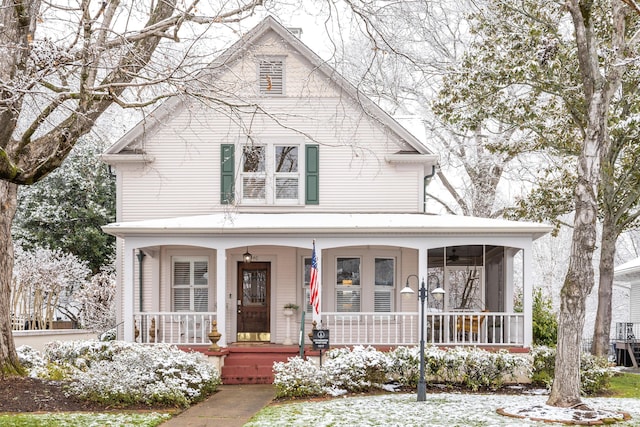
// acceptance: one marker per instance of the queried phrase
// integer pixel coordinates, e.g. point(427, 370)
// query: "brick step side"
point(254, 360)
point(253, 365)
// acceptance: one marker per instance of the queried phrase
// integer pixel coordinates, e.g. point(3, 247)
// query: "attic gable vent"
point(271, 76)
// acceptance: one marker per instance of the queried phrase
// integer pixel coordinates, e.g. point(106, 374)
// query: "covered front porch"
point(182, 277)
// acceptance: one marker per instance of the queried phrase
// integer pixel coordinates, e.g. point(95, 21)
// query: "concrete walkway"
point(231, 406)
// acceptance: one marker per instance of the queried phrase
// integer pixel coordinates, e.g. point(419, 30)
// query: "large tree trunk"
point(579, 280)
point(9, 359)
point(602, 327)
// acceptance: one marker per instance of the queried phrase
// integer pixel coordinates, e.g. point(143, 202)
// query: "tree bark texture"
point(602, 327)
point(9, 363)
point(598, 89)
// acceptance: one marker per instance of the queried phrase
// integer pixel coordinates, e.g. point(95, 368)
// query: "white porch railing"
point(450, 328)
point(174, 327)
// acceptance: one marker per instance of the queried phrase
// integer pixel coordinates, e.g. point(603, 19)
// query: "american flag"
point(314, 286)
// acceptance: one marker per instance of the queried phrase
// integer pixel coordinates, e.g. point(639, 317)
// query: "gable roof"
point(234, 52)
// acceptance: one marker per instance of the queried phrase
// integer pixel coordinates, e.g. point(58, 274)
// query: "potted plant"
point(289, 308)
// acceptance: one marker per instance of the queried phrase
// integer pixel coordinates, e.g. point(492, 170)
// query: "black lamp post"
point(438, 294)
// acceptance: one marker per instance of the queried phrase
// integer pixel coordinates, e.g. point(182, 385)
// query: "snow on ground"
point(446, 409)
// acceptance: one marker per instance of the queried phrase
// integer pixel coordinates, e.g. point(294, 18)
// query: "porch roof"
point(628, 272)
point(325, 223)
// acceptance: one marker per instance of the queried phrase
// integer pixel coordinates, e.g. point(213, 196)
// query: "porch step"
point(248, 364)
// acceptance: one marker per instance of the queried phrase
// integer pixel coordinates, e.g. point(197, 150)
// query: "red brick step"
point(246, 364)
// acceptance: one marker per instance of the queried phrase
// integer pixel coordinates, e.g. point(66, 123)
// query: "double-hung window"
point(348, 291)
point(190, 283)
point(254, 176)
point(384, 284)
point(271, 173)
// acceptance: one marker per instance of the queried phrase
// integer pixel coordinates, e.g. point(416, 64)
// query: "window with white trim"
point(384, 280)
point(271, 76)
point(348, 290)
point(271, 173)
point(190, 283)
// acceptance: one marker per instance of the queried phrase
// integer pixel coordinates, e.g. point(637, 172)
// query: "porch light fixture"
point(438, 295)
point(247, 257)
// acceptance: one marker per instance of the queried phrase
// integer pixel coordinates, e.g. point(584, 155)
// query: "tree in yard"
point(45, 284)
point(403, 66)
point(62, 67)
point(555, 71)
point(97, 300)
point(66, 209)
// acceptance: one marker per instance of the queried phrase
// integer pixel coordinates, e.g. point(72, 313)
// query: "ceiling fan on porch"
point(454, 257)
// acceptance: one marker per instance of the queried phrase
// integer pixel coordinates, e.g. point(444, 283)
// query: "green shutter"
point(312, 170)
point(227, 167)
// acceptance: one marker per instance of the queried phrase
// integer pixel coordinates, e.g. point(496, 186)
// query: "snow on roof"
point(629, 271)
point(294, 223)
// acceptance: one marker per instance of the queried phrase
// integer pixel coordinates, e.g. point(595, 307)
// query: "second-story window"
point(271, 174)
point(286, 172)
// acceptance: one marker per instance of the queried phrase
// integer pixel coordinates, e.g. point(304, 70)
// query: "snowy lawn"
point(446, 409)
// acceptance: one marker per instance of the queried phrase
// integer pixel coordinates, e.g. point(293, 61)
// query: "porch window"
point(384, 284)
point(348, 291)
point(190, 284)
point(271, 173)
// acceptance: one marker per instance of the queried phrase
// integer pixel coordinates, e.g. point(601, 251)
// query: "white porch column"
point(422, 275)
point(221, 294)
point(128, 294)
point(527, 290)
point(423, 267)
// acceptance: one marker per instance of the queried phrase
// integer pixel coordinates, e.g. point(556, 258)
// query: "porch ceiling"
point(325, 223)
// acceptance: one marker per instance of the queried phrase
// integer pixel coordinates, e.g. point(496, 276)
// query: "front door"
point(254, 288)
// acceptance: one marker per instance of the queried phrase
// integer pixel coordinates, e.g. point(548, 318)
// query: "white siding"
point(184, 178)
point(634, 303)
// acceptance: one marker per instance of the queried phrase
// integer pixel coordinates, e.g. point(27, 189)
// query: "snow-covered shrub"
point(480, 368)
point(359, 369)
point(108, 335)
point(30, 358)
point(404, 365)
point(595, 372)
point(146, 374)
point(362, 369)
point(544, 361)
point(299, 378)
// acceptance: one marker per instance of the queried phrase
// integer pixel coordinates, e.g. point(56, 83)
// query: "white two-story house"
point(219, 202)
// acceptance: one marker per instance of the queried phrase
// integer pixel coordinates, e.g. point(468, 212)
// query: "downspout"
point(425, 183)
point(140, 258)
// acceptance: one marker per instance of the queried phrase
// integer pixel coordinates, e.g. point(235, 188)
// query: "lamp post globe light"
point(438, 295)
